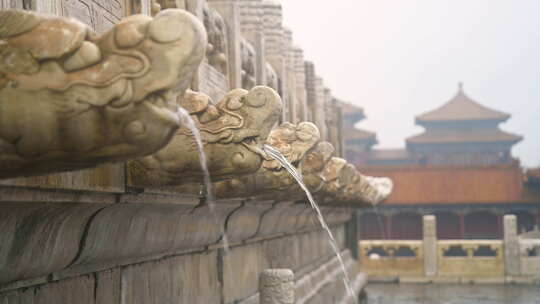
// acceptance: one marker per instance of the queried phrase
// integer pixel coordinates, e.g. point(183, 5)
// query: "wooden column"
point(461, 225)
point(500, 225)
point(388, 226)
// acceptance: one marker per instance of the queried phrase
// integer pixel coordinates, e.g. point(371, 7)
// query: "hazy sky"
point(400, 58)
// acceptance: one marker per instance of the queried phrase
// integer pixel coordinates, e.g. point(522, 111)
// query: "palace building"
point(460, 169)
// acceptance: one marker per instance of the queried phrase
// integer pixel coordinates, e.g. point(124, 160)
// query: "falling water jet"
point(187, 121)
point(276, 155)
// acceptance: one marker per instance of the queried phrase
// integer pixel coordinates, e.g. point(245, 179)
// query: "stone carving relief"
point(336, 174)
point(293, 141)
point(248, 64)
point(232, 132)
point(70, 99)
point(330, 179)
point(100, 15)
point(216, 50)
point(343, 183)
point(313, 164)
point(171, 4)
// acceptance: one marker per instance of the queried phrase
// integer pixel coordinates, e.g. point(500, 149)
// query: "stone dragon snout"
point(232, 132)
point(70, 99)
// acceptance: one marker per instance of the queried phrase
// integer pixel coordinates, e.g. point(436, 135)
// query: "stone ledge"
point(90, 235)
point(415, 280)
point(521, 280)
point(358, 284)
point(310, 284)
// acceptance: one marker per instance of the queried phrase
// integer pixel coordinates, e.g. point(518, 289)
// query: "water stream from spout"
point(276, 155)
point(187, 121)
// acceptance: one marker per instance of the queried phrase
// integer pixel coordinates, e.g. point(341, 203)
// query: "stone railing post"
point(430, 245)
point(276, 286)
point(230, 11)
point(511, 246)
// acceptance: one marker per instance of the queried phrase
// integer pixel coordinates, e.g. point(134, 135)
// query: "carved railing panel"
point(248, 57)
point(391, 249)
point(529, 256)
point(470, 248)
point(100, 15)
point(392, 258)
point(470, 258)
point(74, 100)
point(216, 52)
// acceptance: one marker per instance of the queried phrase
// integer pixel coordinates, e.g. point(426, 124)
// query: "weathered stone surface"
point(231, 132)
point(182, 279)
point(149, 230)
point(276, 286)
point(274, 51)
point(285, 252)
point(299, 251)
point(244, 222)
point(230, 11)
point(249, 65)
point(144, 229)
point(252, 30)
point(217, 49)
point(242, 264)
point(75, 290)
point(38, 239)
point(276, 219)
point(344, 184)
point(211, 81)
point(108, 286)
point(124, 234)
point(293, 142)
point(90, 111)
point(20, 194)
point(324, 284)
point(314, 163)
point(307, 219)
point(98, 14)
point(105, 178)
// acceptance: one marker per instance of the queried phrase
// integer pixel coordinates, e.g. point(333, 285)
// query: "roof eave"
point(422, 121)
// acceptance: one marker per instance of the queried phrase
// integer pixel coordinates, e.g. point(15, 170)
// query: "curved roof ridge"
point(357, 133)
point(462, 108)
point(484, 136)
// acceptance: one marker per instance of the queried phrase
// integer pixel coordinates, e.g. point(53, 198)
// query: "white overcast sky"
point(400, 58)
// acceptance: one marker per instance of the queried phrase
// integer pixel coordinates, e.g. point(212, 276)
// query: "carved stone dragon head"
point(366, 190)
point(70, 99)
point(344, 184)
point(313, 164)
point(232, 132)
point(293, 142)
